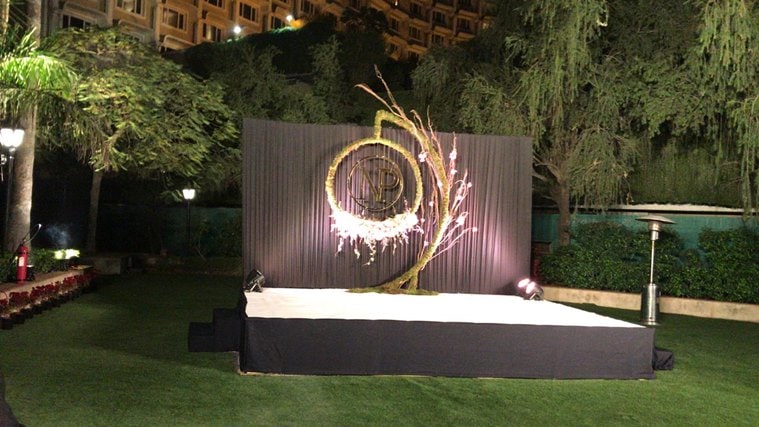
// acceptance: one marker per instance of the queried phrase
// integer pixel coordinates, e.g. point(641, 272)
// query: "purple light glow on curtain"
point(286, 217)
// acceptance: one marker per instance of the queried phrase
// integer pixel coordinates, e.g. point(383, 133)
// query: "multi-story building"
point(414, 25)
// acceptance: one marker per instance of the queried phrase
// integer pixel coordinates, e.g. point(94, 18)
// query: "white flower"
point(359, 230)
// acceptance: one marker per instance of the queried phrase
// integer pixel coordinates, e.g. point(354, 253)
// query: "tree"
point(545, 76)
point(29, 78)
point(364, 19)
point(362, 46)
point(255, 88)
point(729, 67)
point(140, 113)
point(329, 80)
point(694, 80)
point(305, 75)
point(583, 148)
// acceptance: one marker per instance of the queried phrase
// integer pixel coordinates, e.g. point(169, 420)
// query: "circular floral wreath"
point(371, 232)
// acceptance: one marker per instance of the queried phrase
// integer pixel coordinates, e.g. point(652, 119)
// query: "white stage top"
point(295, 303)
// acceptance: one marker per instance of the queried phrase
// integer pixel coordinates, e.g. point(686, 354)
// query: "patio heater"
point(649, 298)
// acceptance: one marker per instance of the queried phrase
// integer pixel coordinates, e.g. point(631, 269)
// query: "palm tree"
point(29, 78)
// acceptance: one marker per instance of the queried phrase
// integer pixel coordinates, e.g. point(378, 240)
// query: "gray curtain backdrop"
point(286, 217)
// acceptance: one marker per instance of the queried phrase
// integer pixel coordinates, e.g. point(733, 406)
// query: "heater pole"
point(653, 252)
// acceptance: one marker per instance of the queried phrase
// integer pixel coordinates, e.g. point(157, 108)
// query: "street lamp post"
point(10, 139)
point(188, 194)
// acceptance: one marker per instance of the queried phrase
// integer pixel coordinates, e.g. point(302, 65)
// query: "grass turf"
point(118, 357)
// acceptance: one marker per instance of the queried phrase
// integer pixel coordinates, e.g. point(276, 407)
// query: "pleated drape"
point(286, 217)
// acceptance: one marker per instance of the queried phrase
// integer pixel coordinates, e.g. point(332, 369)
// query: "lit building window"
point(438, 39)
point(132, 6)
point(212, 33)
point(217, 3)
point(248, 12)
point(74, 22)
point(174, 18)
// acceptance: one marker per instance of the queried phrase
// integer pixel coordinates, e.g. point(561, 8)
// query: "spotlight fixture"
point(649, 299)
point(529, 290)
point(254, 282)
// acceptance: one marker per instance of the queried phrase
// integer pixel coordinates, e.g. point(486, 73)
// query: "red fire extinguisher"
point(23, 262)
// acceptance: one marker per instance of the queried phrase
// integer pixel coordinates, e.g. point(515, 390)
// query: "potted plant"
point(20, 306)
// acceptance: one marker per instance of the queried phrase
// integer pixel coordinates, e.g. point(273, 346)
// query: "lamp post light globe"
point(10, 139)
point(188, 193)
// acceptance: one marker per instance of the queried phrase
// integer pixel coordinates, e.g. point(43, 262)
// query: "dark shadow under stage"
point(335, 332)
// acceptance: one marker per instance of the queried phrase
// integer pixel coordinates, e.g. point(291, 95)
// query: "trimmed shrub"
point(221, 239)
point(44, 261)
point(609, 256)
point(727, 269)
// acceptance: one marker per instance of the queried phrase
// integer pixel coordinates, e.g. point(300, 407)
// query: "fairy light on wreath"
point(372, 233)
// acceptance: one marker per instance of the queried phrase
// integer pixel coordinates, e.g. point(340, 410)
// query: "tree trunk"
point(92, 223)
point(20, 208)
point(5, 6)
point(34, 16)
point(561, 198)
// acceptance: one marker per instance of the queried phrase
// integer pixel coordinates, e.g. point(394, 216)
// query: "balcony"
point(446, 5)
point(468, 8)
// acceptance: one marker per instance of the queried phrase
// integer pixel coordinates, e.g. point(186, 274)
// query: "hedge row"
point(43, 261)
point(609, 256)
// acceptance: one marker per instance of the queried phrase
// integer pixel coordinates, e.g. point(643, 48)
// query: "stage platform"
point(336, 332)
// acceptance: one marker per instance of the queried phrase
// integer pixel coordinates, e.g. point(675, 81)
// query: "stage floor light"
point(529, 290)
point(254, 281)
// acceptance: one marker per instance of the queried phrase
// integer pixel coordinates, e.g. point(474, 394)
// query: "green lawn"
point(118, 356)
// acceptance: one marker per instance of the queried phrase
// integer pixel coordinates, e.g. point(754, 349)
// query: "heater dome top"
point(656, 218)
